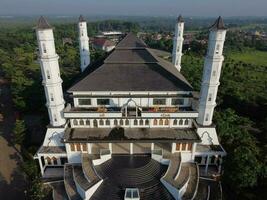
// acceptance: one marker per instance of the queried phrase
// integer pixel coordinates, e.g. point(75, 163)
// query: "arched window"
point(161, 122)
point(121, 122)
point(217, 49)
point(107, 122)
point(95, 123)
point(127, 122)
point(72, 147)
point(186, 122)
point(101, 122)
point(175, 122)
point(81, 122)
point(141, 122)
point(48, 74)
point(210, 97)
point(115, 122)
point(54, 159)
point(87, 122)
point(51, 97)
point(181, 122)
point(44, 48)
point(147, 122)
point(78, 147)
point(84, 147)
point(155, 122)
point(48, 160)
point(75, 122)
point(207, 117)
point(135, 122)
point(166, 123)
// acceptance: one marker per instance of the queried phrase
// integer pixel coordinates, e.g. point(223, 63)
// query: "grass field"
point(251, 56)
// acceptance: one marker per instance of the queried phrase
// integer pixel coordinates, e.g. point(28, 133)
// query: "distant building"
point(67, 41)
point(103, 44)
point(112, 33)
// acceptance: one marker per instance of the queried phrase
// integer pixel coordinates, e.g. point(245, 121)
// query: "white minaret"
point(178, 43)
point(211, 73)
point(84, 43)
point(50, 72)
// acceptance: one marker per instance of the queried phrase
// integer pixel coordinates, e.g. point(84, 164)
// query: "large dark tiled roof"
point(130, 41)
point(129, 135)
point(132, 66)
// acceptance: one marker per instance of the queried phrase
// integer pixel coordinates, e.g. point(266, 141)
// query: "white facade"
point(51, 76)
point(178, 44)
point(172, 111)
point(83, 44)
point(211, 76)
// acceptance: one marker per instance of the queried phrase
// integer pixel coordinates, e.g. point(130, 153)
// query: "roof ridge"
point(131, 41)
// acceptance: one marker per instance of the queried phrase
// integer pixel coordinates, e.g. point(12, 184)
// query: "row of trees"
point(241, 119)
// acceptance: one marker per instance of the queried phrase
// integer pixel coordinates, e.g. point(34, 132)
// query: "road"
point(12, 179)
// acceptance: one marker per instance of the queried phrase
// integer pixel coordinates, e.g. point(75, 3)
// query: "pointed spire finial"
point(180, 19)
point(43, 24)
point(218, 24)
point(81, 19)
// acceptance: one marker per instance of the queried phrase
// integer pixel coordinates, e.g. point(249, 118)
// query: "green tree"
point(37, 190)
point(242, 165)
point(19, 132)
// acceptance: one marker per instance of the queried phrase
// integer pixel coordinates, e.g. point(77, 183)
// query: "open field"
point(251, 57)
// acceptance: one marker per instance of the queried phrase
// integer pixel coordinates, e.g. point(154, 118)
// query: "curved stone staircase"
point(181, 179)
point(123, 172)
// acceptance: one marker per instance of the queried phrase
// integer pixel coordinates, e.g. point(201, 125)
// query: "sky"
point(205, 8)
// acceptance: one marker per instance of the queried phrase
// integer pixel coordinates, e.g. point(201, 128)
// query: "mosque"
point(134, 128)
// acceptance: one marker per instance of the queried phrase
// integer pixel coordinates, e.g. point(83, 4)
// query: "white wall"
point(140, 101)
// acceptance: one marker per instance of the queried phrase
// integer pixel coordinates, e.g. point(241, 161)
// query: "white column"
point(178, 43)
point(83, 43)
point(194, 150)
point(58, 161)
point(131, 148)
point(89, 147)
point(207, 164)
point(48, 59)
point(152, 146)
point(41, 165)
point(173, 147)
point(211, 73)
point(110, 147)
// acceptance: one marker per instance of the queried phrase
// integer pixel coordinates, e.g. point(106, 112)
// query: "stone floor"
point(211, 173)
point(131, 171)
point(138, 148)
point(53, 172)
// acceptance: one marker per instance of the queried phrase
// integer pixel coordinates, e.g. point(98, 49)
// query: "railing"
point(103, 109)
point(104, 152)
point(158, 152)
